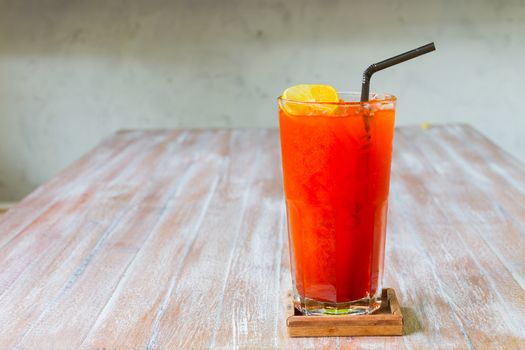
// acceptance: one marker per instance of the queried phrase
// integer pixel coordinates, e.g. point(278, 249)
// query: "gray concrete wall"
point(73, 72)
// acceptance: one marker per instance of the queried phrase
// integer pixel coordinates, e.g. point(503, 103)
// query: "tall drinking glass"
point(336, 167)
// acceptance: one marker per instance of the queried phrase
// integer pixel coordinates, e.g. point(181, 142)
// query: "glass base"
point(363, 306)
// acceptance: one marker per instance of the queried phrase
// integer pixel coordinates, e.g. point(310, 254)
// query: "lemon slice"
point(294, 97)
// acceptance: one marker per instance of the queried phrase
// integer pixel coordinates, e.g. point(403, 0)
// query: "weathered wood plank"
point(155, 269)
point(96, 163)
point(482, 211)
point(496, 205)
point(203, 278)
point(63, 253)
point(467, 278)
point(110, 261)
point(60, 219)
point(246, 316)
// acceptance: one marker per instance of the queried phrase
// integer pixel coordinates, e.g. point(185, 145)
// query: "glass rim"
point(387, 98)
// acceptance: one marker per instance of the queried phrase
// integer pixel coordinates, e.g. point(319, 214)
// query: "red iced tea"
point(336, 166)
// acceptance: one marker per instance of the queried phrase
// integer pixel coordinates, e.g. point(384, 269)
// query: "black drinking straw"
point(365, 87)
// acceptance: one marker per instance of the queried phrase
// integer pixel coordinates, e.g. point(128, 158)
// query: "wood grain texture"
point(177, 239)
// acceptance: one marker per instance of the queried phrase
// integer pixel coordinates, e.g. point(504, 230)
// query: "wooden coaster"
point(388, 320)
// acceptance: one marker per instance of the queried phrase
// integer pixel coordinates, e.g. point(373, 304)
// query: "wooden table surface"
point(177, 240)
